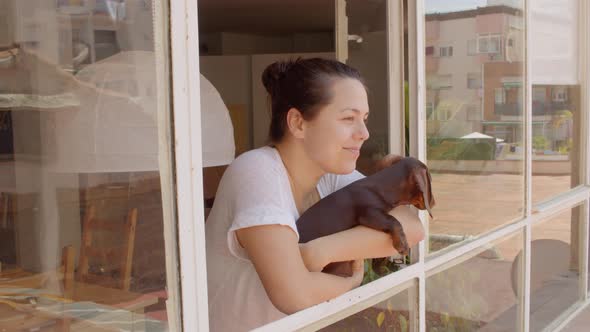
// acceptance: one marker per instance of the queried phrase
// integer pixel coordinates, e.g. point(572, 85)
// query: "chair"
point(66, 269)
point(115, 262)
point(60, 280)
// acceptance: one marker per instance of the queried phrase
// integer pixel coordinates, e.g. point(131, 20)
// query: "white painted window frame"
point(189, 195)
point(186, 110)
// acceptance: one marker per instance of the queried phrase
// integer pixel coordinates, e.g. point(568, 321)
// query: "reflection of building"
point(474, 74)
point(459, 46)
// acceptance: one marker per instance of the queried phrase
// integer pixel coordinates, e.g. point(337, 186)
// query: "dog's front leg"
point(382, 221)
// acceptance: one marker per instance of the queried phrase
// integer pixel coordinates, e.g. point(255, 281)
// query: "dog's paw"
point(401, 244)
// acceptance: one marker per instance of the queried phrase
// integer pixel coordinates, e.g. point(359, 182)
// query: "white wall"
point(231, 77)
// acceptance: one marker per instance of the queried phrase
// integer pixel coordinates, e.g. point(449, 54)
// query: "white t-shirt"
point(254, 190)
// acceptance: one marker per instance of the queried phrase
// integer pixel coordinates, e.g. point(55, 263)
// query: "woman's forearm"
point(317, 288)
point(363, 242)
point(356, 243)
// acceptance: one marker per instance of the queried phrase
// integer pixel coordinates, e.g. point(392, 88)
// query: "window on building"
point(473, 80)
point(489, 44)
point(499, 96)
point(559, 94)
point(429, 50)
point(446, 51)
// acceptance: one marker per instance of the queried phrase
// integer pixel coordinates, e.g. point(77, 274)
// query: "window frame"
point(186, 110)
point(191, 231)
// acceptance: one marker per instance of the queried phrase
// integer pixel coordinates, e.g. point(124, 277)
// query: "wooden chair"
point(68, 256)
point(114, 260)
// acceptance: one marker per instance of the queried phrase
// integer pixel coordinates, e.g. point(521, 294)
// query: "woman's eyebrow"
point(354, 110)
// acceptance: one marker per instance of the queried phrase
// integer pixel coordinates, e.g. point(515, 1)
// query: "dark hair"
point(304, 84)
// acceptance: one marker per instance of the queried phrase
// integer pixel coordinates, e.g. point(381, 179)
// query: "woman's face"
point(333, 138)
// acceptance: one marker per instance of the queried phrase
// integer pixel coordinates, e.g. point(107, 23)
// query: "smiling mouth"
point(355, 151)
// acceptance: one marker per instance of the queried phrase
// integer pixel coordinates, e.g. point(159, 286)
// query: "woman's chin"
point(345, 168)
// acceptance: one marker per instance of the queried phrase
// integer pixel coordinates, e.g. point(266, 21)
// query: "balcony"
point(539, 108)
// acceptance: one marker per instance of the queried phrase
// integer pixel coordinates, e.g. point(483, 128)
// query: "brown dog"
point(400, 181)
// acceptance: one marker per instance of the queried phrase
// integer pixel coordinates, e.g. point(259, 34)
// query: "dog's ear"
point(422, 178)
point(386, 161)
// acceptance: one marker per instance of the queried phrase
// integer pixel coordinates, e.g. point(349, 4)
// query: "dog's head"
point(417, 180)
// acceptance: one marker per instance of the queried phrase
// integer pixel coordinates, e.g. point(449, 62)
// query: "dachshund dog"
point(400, 181)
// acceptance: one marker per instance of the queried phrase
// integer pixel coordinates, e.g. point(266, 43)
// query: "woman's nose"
point(362, 132)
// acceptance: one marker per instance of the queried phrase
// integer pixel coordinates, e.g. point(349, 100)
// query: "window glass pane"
point(557, 103)
point(393, 314)
point(474, 140)
point(87, 230)
point(555, 267)
point(494, 44)
point(480, 293)
point(483, 44)
point(556, 140)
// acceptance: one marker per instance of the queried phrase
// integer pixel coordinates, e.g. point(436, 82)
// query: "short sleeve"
point(260, 195)
point(257, 216)
point(330, 183)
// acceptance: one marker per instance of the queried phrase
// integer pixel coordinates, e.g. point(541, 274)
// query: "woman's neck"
point(303, 173)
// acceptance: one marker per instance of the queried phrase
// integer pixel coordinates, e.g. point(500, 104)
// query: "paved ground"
point(475, 204)
point(481, 288)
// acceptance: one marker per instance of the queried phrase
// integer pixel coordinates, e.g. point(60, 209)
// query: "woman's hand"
point(358, 272)
point(312, 256)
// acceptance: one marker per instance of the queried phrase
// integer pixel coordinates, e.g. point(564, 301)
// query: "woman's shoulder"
point(258, 166)
point(263, 158)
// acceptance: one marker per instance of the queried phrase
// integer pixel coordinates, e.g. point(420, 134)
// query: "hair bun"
point(274, 73)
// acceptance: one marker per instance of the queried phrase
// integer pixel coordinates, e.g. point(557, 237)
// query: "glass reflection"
point(392, 315)
point(474, 105)
point(81, 210)
point(555, 267)
point(480, 293)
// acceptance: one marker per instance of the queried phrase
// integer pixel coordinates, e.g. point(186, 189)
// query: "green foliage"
point(403, 323)
point(540, 143)
point(377, 268)
point(441, 148)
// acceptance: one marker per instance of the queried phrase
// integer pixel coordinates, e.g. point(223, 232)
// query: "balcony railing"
point(539, 108)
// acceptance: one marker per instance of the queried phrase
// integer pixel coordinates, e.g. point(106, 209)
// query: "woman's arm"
point(360, 242)
point(274, 251)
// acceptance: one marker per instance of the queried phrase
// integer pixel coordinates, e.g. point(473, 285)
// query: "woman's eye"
point(350, 118)
point(366, 120)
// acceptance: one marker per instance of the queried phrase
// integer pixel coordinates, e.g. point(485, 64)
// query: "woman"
point(257, 271)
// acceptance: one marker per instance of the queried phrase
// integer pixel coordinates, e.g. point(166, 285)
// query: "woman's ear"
point(295, 122)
